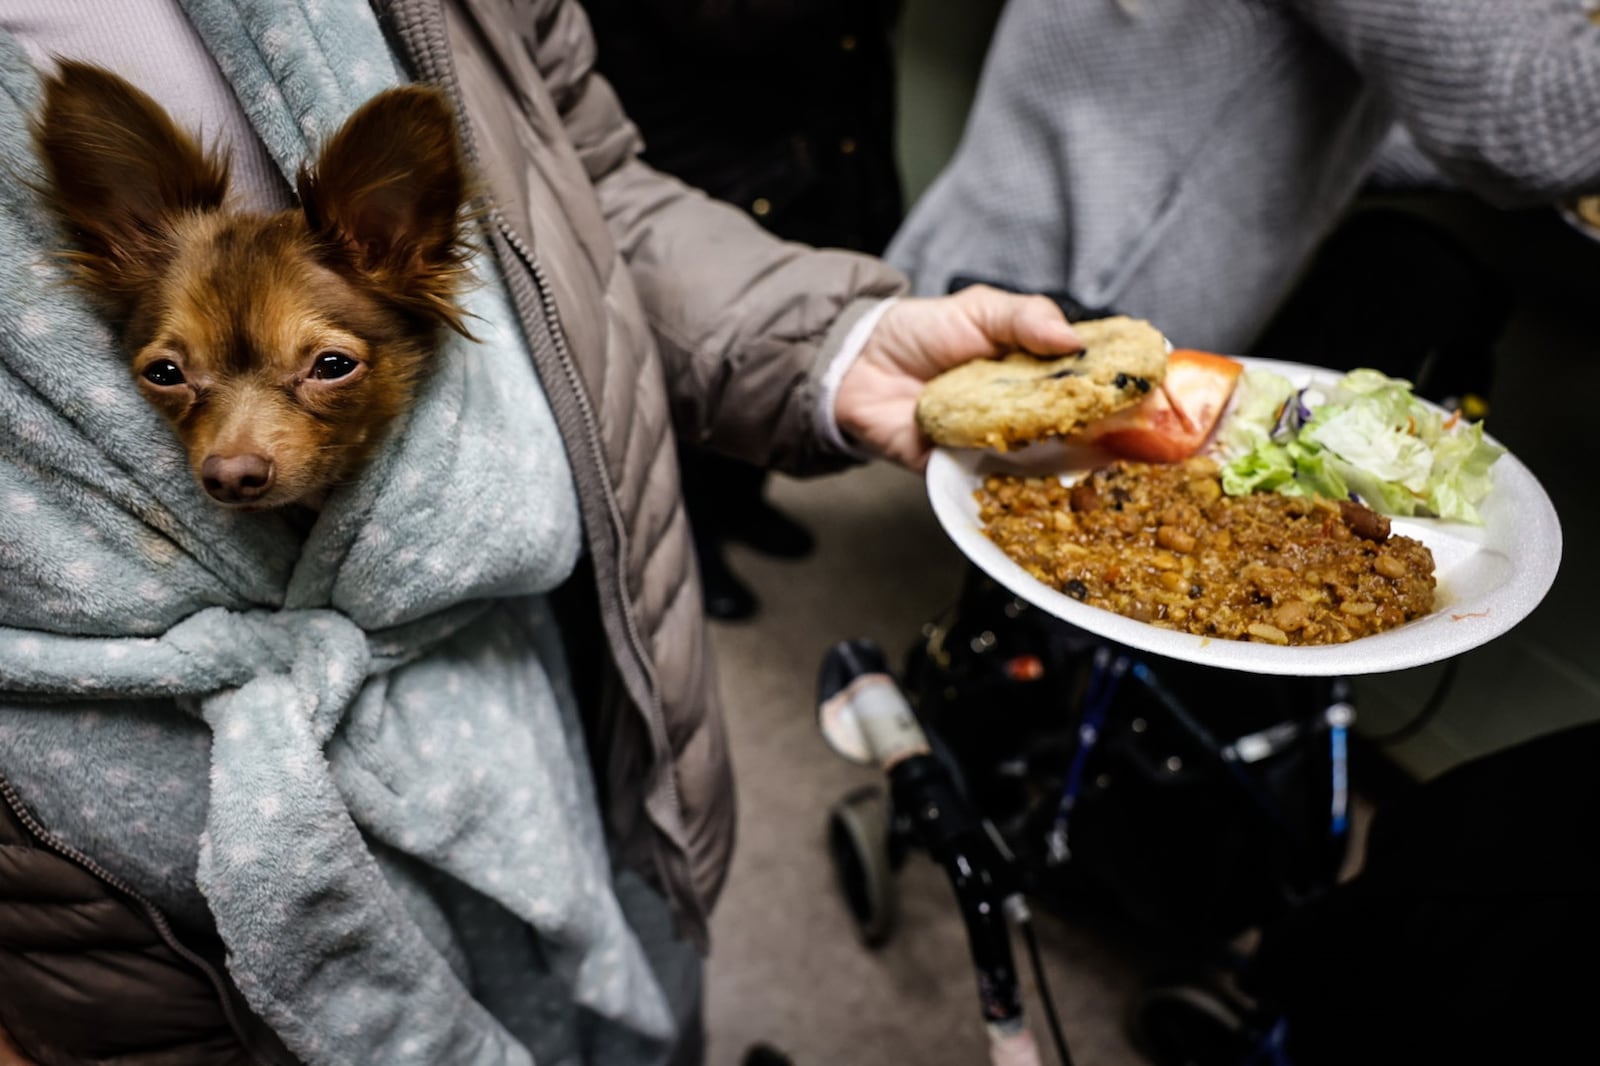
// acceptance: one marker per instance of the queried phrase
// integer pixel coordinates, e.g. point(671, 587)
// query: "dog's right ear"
point(386, 196)
point(120, 171)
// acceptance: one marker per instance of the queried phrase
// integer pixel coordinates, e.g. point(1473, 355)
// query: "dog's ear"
point(120, 171)
point(386, 195)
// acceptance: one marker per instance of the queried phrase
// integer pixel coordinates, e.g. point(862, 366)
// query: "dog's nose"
point(236, 478)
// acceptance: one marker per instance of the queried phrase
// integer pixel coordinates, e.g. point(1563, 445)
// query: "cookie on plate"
point(1018, 399)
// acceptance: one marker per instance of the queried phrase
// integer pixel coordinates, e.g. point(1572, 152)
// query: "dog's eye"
point(163, 372)
point(330, 365)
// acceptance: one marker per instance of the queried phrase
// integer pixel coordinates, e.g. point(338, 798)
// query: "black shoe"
point(766, 1055)
point(726, 597)
point(768, 530)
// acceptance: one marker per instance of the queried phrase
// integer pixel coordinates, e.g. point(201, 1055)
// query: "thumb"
point(1030, 323)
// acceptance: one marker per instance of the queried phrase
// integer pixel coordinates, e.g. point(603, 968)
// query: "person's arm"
point(1501, 94)
point(746, 324)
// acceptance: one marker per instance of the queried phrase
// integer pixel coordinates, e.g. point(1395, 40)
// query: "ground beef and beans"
point(1162, 543)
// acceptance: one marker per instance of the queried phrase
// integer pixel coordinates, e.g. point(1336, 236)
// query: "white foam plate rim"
point(1490, 577)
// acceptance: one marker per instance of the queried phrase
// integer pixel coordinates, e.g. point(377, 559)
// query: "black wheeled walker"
point(1036, 762)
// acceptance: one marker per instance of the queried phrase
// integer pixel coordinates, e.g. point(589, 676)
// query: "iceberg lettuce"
point(1368, 438)
point(1259, 398)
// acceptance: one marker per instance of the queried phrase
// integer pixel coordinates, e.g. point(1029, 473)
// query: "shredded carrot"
point(1453, 419)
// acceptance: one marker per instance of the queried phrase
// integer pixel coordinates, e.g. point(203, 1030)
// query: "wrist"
point(839, 423)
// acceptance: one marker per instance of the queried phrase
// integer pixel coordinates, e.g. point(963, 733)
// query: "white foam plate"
point(1489, 577)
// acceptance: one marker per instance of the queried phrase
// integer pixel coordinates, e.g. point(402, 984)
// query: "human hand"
point(917, 339)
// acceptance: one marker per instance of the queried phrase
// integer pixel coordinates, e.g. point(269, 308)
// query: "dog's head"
point(280, 347)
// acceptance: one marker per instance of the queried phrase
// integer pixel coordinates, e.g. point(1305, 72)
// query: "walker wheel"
point(858, 841)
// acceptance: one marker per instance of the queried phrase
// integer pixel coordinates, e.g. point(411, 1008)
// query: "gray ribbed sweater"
point(1179, 159)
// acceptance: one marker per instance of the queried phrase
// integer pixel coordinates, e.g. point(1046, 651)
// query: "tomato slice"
point(1174, 421)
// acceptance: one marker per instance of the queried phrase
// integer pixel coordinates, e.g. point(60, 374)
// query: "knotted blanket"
point(384, 701)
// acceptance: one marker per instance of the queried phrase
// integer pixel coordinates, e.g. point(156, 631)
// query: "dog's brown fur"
point(242, 328)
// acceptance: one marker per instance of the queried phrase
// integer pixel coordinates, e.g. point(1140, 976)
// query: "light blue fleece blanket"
point(385, 701)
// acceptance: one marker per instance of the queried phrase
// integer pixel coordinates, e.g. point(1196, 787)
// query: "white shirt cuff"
point(828, 391)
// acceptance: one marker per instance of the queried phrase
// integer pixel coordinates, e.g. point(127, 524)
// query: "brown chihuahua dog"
point(279, 346)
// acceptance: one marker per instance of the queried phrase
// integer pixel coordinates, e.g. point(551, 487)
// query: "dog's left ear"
point(386, 196)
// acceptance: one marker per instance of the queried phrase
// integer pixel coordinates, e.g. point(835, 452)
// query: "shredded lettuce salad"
point(1366, 438)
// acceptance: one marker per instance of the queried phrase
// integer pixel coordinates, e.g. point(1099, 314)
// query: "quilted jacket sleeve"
point(744, 321)
point(1501, 96)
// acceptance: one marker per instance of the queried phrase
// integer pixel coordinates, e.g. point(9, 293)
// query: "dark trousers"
point(1471, 934)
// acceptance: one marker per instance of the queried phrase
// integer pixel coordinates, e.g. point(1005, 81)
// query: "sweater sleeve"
point(1502, 95)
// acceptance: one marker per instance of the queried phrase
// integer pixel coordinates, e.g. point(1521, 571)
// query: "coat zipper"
point(431, 49)
point(44, 837)
point(654, 719)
